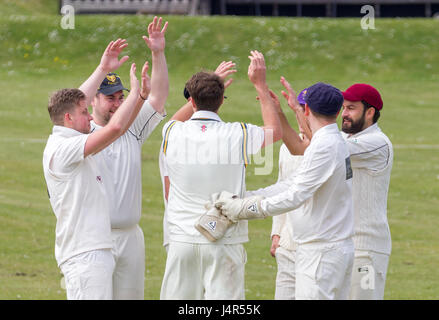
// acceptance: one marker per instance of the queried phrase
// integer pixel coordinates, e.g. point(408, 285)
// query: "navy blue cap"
point(324, 99)
point(111, 84)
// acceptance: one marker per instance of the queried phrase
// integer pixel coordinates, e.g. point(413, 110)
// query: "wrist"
point(261, 87)
point(157, 53)
point(101, 69)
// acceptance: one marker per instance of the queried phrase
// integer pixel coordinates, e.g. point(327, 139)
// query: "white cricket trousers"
point(129, 254)
point(88, 276)
point(369, 275)
point(286, 274)
point(204, 271)
point(324, 270)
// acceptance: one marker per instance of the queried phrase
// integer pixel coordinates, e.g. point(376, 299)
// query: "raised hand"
point(290, 96)
point(156, 40)
point(224, 70)
point(110, 59)
point(146, 81)
point(257, 68)
point(133, 79)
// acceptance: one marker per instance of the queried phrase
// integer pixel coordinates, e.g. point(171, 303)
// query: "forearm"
point(286, 201)
point(139, 105)
point(91, 85)
point(184, 113)
point(292, 140)
point(117, 125)
point(127, 112)
point(159, 82)
point(270, 115)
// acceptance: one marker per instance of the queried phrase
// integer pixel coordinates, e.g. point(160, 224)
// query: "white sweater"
point(288, 164)
point(371, 158)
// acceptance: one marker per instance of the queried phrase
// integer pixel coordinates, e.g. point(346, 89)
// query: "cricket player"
point(371, 158)
point(77, 180)
point(371, 154)
point(205, 155)
point(123, 157)
point(224, 70)
point(283, 247)
point(322, 185)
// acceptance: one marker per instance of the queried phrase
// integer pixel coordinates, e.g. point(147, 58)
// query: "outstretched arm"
point(292, 140)
point(144, 91)
point(159, 74)
point(109, 62)
point(257, 75)
point(119, 122)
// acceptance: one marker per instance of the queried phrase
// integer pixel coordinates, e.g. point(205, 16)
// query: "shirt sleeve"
point(68, 155)
point(162, 165)
point(145, 122)
point(369, 152)
point(317, 167)
point(277, 225)
point(255, 138)
point(165, 134)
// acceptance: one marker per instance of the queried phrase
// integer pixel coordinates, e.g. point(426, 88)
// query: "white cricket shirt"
point(372, 159)
point(323, 185)
point(205, 155)
point(77, 194)
point(124, 159)
point(288, 165)
point(163, 174)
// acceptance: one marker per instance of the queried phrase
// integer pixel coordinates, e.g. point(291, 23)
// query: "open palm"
point(156, 40)
point(110, 59)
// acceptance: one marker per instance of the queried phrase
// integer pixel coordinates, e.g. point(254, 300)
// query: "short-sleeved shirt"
point(205, 155)
point(124, 159)
point(77, 192)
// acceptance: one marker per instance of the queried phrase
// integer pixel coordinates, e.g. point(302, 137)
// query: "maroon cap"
point(365, 92)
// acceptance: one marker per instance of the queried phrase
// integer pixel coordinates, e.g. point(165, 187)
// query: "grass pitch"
point(400, 57)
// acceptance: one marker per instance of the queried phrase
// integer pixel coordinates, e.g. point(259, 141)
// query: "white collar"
point(205, 115)
point(326, 129)
point(64, 131)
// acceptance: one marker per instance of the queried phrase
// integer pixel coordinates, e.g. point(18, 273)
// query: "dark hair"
point(207, 90)
point(323, 116)
point(376, 115)
point(63, 101)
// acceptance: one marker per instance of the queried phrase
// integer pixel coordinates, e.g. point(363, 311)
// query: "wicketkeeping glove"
point(241, 209)
point(213, 225)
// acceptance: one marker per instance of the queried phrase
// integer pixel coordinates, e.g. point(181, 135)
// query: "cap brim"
point(110, 90)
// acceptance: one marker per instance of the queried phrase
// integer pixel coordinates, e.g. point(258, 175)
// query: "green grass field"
point(400, 57)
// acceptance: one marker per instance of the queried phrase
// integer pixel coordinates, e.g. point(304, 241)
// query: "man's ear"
point(67, 119)
point(93, 101)
point(307, 110)
point(370, 113)
point(194, 106)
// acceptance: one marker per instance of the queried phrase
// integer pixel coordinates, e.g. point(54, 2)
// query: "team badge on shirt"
point(348, 168)
point(203, 128)
point(99, 179)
